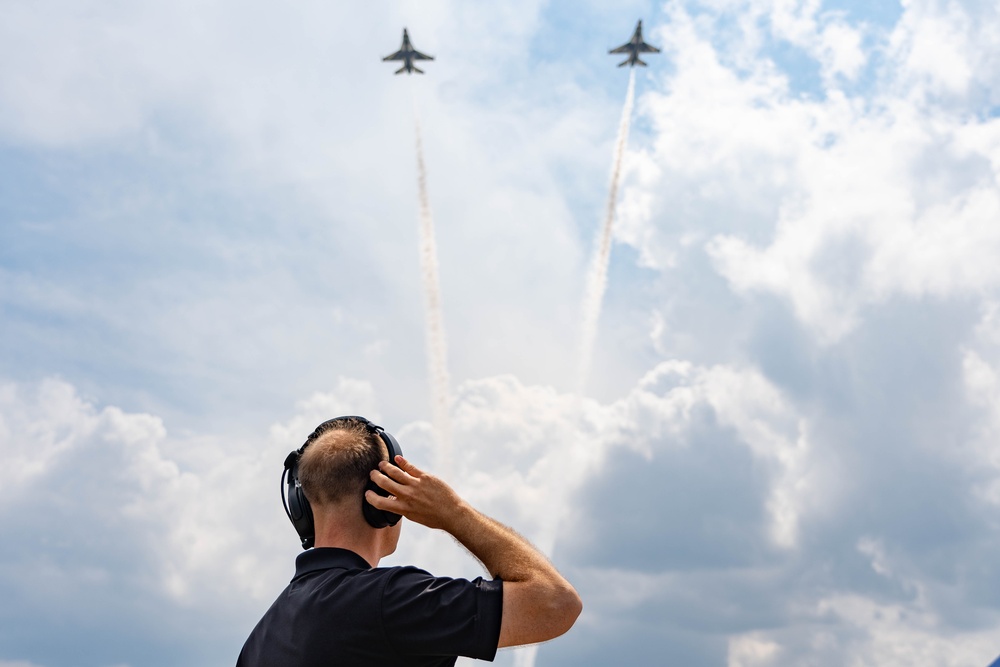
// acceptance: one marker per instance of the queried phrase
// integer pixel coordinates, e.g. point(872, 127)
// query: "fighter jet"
point(634, 47)
point(408, 54)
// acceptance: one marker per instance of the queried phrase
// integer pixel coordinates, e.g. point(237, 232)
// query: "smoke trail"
point(525, 656)
point(437, 356)
point(597, 276)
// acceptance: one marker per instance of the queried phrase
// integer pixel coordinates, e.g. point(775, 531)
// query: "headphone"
point(297, 505)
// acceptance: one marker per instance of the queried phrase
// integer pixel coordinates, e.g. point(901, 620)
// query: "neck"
point(335, 528)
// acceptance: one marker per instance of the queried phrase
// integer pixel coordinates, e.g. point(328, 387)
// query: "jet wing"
point(624, 48)
point(398, 55)
point(421, 56)
point(648, 48)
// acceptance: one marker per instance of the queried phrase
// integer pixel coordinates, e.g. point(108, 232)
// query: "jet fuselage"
point(408, 54)
point(634, 47)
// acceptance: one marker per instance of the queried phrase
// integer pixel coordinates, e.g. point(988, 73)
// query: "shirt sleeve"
point(427, 615)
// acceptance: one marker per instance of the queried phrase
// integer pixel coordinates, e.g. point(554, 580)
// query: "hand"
point(417, 495)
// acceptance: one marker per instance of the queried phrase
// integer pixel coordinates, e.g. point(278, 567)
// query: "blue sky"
point(787, 450)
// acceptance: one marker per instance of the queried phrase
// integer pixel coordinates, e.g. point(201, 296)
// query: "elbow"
point(567, 607)
point(533, 614)
point(573, 605)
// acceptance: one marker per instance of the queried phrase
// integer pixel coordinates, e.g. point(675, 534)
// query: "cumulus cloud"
point(126, 517)
point(944, 53)
point(301, 139)
point(852, 231)
point(836, 203)
point(823, 34)
point(694, 498)
point(195, 526)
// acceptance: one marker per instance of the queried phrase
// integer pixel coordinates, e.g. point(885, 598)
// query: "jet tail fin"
point(639, 62)
point(401, 69)
point(623, 63)
point(417, 70)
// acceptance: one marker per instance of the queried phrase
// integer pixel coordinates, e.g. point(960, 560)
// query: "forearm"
point(502, 551)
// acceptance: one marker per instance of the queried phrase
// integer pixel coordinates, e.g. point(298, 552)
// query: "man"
point(342, 609)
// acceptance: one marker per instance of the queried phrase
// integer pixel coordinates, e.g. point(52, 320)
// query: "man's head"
point(335, 467)
point(327, 479)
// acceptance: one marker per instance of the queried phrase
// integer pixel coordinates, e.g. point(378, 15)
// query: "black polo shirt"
point(339, 611)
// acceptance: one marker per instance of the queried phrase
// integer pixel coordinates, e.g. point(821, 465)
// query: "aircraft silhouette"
point(408, 54)
point(634, 47)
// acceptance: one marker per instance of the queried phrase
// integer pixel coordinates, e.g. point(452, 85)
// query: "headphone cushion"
point(375, 517)
point(300, 512)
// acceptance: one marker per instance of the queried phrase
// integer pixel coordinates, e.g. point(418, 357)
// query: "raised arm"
point(538, 603)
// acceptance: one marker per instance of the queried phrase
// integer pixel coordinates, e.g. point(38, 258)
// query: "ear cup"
point(304, 525)
point(297, 506)
point(375, 517)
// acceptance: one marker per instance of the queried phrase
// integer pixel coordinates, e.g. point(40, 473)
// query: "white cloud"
point(981, 378)
point(33, 433)
point(751, 651)
point(836, 204)
point(746, 402)
point(937, 45)
point(856, 630)
point(304, 147)
point(823, 35)
point(201, 515)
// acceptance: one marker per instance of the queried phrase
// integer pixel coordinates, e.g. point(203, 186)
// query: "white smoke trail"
point(525, 657)
point(593, 295)
point(437, 354)
point(597, 276)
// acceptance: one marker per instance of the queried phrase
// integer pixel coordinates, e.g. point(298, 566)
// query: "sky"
point(787, 449)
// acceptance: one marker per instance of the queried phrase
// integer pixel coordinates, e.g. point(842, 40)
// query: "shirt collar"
point(328, 558)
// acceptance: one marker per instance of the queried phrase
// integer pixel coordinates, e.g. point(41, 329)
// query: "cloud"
point(854, 229)
point(228, 191)
point(835, 204)
point(853, 629)
point(944, 53)
point(113, 516)
point(691, 500)
point(194, 529)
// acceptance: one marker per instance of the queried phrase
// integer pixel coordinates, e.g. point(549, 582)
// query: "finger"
point(386, 482)
point(382, 503)
point(408, 467)
point(397, 474)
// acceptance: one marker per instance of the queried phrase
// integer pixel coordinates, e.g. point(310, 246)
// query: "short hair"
point(336, 464)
